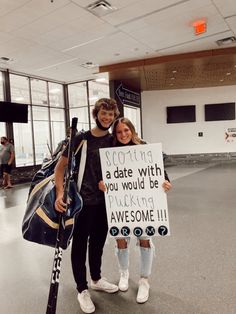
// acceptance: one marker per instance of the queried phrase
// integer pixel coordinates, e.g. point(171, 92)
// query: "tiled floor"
point(194, 271)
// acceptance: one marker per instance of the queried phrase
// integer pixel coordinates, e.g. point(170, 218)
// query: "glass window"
point(133, 114)
point(1, 87)
point(97, 90)
point(41, 133)
point(57, 126)
point(82, 115)
point(78, 104)
point(92, 122)
point(39, 92)
point(77, 95)
point(56, 95)
point(23, 144)
point(2, 129)
point(19, 89)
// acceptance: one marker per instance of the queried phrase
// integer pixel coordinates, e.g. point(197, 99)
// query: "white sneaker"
point(103, 285)
point(85, 302)
point(124, 280)
point(143, 291)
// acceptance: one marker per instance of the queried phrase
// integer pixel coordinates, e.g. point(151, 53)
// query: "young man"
point(91, 226)
point(6, 160)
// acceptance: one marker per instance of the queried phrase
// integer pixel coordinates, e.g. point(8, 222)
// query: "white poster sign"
point(230, 135)
point(136, 202)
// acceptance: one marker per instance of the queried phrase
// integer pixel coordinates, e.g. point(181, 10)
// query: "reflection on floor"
point(193, 272)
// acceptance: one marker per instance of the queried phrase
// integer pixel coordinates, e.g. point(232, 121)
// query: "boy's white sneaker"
point(85, 302)
point(124, 280)
point(143, 291)
point(104, 285)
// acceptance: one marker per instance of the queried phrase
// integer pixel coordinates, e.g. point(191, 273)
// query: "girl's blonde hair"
point(135, 138)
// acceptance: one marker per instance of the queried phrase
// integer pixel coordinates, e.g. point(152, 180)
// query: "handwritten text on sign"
point(135, 200)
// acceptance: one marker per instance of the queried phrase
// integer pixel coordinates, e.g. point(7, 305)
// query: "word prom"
point(136, 202)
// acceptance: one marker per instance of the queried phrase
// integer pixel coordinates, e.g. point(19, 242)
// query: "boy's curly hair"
point(107, 104)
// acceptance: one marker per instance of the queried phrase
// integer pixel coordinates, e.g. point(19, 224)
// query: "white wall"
point(182, 138)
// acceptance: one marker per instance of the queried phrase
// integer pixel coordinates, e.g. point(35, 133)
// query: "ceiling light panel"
point(226, 7)
point(231, 21)
point(48, 23)
point(172, 27)
point(102, 51)
point(134, 10)
point(26, 12)
point(83, 37)
point(204, 43)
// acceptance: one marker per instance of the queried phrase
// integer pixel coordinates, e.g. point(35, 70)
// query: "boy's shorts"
point(5, 168)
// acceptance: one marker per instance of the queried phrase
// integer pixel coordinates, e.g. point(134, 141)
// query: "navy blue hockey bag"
point(41, 220)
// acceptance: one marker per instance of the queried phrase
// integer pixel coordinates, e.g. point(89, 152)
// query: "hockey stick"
point(55, 276)
point(49, 149)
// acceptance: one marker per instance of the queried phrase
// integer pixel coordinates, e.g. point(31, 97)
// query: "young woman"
point(124, 134)
point(91, 227)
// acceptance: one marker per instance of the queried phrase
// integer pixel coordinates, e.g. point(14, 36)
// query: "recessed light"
point(172, 78)
point(89, 65)
point(5, 60)
point(228, 73)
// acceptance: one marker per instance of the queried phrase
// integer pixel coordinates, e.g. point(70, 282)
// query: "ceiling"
point(149, 44)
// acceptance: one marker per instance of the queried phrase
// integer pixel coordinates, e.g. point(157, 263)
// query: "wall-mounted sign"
point(135, 199)
point(230, 135)
point(127, 96)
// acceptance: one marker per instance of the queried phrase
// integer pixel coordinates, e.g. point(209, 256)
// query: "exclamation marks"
point(162, 215)
point(165, 215)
